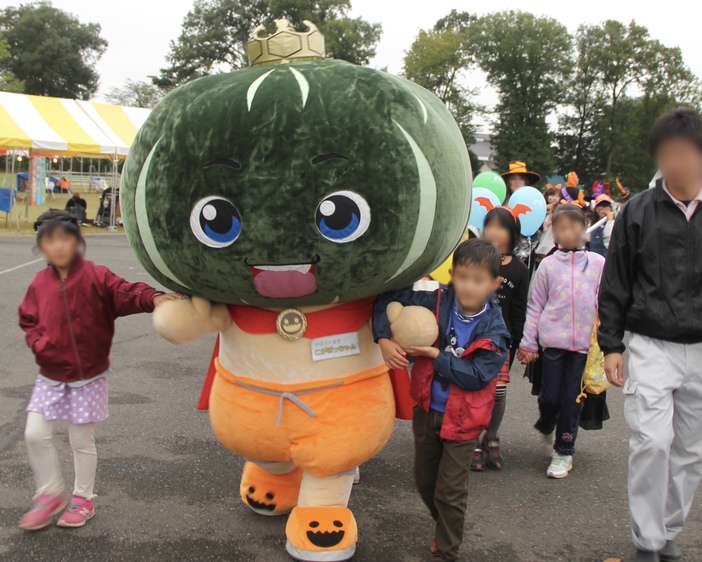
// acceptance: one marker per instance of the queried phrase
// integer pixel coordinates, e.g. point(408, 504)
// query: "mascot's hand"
point(412, 326)
point(182, 321)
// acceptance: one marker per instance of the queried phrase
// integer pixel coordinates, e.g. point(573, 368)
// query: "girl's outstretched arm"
point(127, 298)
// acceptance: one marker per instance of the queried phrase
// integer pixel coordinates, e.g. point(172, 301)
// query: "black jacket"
point(652, 281)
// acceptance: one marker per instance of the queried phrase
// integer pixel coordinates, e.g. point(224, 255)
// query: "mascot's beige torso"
point(272, 359)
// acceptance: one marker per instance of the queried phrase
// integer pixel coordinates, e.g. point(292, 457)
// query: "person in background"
point(546, 243)
point(68, 317)
point(573, 192)
point(518, 176)
point(651, 287)
point(600, 237)
point(502, 229)
point(560, 318)
point(453, 384)
point(78, 207)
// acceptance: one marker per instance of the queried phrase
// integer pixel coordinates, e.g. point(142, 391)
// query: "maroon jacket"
point(69, 324)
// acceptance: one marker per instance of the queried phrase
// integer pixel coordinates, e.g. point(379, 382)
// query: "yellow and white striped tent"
point(65, 127)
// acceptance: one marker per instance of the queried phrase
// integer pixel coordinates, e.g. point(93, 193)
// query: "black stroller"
point(102, 218)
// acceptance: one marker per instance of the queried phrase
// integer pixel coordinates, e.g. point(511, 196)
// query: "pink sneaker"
point(77, 514)
point(42, 511)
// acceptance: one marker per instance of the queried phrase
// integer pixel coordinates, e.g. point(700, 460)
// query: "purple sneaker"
point(42, 511)
point(77, 514)
point(478, 462)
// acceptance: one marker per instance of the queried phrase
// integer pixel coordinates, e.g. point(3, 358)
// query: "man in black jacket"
point(652, 286)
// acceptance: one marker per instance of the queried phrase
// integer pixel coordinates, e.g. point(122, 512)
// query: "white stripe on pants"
point(663, 407)
point(39, 437)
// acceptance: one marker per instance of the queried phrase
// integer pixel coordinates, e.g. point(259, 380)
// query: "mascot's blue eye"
point(215, 222)
point(343, 216)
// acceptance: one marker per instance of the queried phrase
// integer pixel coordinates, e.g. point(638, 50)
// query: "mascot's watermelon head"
point(304, 183)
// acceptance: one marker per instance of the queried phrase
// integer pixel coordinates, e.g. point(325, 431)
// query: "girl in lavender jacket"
point(560, 317)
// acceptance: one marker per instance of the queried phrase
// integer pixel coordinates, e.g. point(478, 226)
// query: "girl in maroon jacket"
point(68, 316)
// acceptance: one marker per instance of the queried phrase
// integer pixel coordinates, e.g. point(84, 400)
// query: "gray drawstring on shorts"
point(292, 396)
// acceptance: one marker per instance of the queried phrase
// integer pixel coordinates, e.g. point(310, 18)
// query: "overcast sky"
point(139, 30)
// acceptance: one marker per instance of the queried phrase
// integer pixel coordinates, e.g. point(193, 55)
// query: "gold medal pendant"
point(291, 324)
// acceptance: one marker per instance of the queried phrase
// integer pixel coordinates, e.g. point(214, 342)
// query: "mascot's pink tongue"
point(284, 283)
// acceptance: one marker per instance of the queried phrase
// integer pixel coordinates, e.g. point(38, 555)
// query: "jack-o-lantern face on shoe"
point(269, 494)
point(321, 529)
point(325, 538)
point(262, 504)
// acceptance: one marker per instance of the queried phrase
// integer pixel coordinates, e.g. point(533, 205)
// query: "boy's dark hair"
point(570, 211)
point(55, 219)
point(507, 221)
point(680, 123)
point(551, 191)
point(478, 252)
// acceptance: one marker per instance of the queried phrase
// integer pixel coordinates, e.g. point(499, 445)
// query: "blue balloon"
point(529, 205)
point(484, 201)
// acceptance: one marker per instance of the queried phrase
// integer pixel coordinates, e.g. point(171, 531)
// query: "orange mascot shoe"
point(269, 494)
point(326, 534)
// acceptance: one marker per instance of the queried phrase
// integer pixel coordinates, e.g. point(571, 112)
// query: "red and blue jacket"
point(472, 376)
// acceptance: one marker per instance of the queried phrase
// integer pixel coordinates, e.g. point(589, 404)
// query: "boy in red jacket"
point(453, 383)
point(68, 316)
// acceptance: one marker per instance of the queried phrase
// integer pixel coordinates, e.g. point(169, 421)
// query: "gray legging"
point(498, 412)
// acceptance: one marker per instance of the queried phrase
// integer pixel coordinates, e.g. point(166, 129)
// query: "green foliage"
point(623, 81)
point(510, 48)
point(8, 81)
point(215, 34)
point(135, 93)
point(437, 61)
point(52, 51)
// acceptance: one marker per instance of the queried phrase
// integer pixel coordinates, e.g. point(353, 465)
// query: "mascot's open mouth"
point(285, 281)
point(260, 506)
point(325, 539)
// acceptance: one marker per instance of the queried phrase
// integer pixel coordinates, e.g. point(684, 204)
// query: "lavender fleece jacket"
point(563, 304)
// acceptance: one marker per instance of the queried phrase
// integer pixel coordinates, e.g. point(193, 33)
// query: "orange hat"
point(572, 180)
point(517, 167)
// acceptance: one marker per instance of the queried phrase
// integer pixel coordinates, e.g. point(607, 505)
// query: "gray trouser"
point(663, 407)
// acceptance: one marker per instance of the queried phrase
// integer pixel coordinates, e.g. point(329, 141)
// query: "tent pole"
point(13, 186)
point(113, 202)
point(29, 171)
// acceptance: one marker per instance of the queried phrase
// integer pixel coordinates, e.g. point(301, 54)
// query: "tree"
point(135, 93)
point(52, 51)
point(510, 48)
point(584, 102)
point(623, 80)
point(215, 33)
point(437, 61)
point(8, 81)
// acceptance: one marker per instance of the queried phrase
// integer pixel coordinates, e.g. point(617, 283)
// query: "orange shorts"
point(324, 427)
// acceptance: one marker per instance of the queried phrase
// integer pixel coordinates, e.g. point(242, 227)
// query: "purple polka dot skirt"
point(82, 404)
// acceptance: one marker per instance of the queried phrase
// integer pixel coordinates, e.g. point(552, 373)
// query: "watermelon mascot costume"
point(282, 198)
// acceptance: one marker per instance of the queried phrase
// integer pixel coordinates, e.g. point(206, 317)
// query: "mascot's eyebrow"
point(326, 157)
point(226, 162)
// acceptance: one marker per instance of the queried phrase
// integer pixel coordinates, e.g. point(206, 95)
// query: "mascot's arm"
point(182, 321)
point(406, 297)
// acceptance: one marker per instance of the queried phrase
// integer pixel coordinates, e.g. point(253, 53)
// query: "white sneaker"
point(547, 444)
point(560, 466)
point(357, 475)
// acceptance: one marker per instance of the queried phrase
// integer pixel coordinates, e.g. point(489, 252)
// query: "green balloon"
point(492, 181)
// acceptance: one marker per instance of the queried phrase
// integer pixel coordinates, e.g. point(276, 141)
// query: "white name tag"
point(332, 347)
